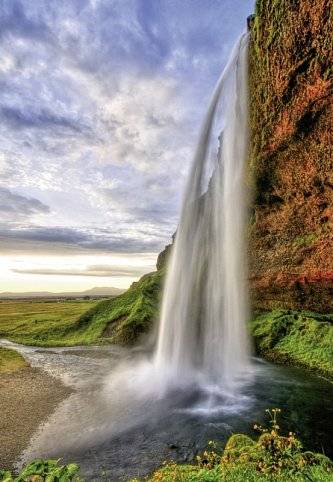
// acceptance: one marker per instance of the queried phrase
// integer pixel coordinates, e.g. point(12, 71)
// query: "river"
point(113, 424)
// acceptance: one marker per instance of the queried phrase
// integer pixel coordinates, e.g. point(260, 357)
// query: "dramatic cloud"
point(100, 107)
point(97, 240)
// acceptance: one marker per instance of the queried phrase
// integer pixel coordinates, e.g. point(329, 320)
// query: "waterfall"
point(202, 332)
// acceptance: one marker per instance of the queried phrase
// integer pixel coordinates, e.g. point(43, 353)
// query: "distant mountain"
point(97, 291)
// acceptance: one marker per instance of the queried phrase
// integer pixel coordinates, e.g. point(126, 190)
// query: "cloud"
point(102, 271)
point(18, 117)
point(16, 22)
point(97, 239)
point(100, 105)
point(14, 206)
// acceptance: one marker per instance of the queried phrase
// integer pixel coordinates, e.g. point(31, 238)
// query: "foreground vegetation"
point(121, 319)
point(271, 457)
point(43, 470)
point(297, 338)
point(11, 360)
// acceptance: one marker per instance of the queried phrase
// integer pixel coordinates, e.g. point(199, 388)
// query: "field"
point(43, 322)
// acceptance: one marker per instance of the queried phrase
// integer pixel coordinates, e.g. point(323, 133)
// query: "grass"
point(40, 322)
point(299, 338)
point(121, 319)
point(11, 360)
point(126, 317)
point(233, 473)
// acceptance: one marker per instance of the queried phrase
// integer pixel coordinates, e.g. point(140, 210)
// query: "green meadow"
point(41, 322)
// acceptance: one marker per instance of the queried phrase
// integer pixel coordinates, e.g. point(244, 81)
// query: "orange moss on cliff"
point(291, 84)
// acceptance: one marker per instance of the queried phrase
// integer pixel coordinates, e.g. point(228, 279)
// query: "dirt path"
point(27, 397)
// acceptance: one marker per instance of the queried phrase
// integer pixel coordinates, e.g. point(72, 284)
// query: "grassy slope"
point(10, 360)
point(48, 323)
point(124, 318)
point(298, 338)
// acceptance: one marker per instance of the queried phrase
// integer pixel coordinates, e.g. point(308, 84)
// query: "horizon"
point(94, 288)
point(100, 109)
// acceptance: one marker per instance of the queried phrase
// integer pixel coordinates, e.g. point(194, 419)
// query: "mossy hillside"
point(291, 166)
point(126, 317)
point(11, 360)
point(298, 338)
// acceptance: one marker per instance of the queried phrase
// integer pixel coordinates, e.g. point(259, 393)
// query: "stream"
point(113, 424)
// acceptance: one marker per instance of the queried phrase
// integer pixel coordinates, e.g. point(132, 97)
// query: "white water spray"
point(204, 311)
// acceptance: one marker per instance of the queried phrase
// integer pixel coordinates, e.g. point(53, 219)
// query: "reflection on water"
point(110, 422)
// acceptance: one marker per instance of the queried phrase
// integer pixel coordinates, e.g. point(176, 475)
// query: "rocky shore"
point(28, 397)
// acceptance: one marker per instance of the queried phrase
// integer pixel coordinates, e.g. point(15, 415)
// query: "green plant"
point(279, 453)
point(44, 471)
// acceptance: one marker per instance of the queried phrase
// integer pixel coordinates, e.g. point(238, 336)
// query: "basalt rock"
point(163, 257)
point(250, 22)
point(291, 169)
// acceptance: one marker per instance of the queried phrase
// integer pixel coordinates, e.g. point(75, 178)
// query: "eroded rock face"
point(291, 85)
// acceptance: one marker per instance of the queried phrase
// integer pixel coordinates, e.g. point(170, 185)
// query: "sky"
point(100, 107)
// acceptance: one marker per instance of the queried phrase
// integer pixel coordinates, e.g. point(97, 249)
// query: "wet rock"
point(250, 22)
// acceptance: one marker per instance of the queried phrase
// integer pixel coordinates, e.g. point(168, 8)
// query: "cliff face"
point(291, 86)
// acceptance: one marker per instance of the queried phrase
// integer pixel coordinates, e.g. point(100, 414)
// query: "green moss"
point(124, 318)
point(306, 240)
point(11, 360)
point(240, 446)
point(300, 338)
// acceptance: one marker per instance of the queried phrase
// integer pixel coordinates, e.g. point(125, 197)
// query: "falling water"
point(204, 311)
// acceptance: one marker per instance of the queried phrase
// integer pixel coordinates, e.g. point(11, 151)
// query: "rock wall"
point(291, 86)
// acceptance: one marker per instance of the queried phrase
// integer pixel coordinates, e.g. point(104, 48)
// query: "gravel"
point(27, 397)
